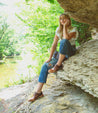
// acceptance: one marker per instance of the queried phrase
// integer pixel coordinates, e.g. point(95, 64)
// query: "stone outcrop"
point(85, 11)
point(82, 69)
point(59, 97)
point(13, 97)
point(71, 90)
point(94, 33)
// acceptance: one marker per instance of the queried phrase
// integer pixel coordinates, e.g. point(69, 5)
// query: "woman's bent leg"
point(62, 51)
point(42, 79)
point(44, 70)
point(39, 87)
point(44, 73)
point(60, 60)
point(66, 48)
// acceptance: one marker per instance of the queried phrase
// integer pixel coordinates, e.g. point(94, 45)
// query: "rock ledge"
point(82, 69)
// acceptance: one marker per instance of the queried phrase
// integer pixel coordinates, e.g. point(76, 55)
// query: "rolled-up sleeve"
point(77, 33)
point(72, 40)
point(75, 30)
point(57, 32)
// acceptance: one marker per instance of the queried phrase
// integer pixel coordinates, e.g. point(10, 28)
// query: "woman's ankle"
point(38, 91)
point(58, 64)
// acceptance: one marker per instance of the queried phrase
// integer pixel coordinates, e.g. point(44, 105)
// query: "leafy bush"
point(42, 19)
point(8, 42)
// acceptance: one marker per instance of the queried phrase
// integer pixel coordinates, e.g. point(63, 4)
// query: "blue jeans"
point(65, 49)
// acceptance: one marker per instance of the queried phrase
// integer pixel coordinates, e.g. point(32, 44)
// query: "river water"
point(16, 68)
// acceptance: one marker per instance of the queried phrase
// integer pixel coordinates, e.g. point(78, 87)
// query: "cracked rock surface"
point(82, 68)
point(59, 97)
point(71, 90)
point(84, 11)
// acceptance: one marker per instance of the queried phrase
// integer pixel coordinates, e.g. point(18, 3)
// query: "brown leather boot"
point(36, 96)
point(55, 68)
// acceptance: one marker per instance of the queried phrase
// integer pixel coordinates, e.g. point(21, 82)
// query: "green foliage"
point(21, 80)
point(26, 0)
point(42, 19)
point(8, 42)
point(84, 32)
point(51, 1)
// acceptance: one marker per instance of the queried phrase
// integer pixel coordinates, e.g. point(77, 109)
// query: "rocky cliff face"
point(82, 69)
point(59, 97)
point(72, 90)
point(85, 11)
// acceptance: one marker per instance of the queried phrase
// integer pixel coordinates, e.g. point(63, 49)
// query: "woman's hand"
point(48, 60)
point(66, 23)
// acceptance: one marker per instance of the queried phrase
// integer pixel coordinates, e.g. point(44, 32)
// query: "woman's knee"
point(48, 65)
point(44, 68)
point(63, 41)
point(44, 65)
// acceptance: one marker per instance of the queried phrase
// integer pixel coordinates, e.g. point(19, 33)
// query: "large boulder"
point(85, 11)
point(59, 97)
point(65, 92)
point(82, 69)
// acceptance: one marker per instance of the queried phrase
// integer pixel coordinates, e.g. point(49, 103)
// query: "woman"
point(67, 34)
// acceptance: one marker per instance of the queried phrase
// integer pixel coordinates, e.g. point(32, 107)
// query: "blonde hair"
point(60, 29)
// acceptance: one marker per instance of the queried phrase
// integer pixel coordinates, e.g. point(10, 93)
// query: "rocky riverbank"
point(71, 90)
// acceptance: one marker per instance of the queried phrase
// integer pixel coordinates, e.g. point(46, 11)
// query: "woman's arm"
point(53, 48)
point(72, 35)
point(54, 45)
point(65, 33)
point(68, 35)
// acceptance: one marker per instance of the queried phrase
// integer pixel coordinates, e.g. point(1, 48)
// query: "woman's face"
point(63, 19)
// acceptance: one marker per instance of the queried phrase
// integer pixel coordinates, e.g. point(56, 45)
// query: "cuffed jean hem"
point(41, 81)
point(64, 54)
